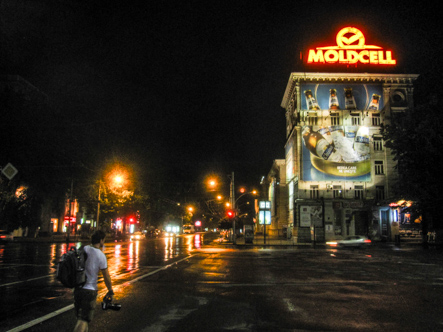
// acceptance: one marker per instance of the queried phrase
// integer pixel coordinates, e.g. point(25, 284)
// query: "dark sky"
point(193, 87)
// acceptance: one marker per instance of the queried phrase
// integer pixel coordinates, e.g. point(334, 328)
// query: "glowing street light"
point(115, 179)
point(211, 183)
point(118, 179)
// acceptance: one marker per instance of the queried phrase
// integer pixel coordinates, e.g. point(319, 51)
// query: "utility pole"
point(232, 199)
point(98, 204)
point(70, 211)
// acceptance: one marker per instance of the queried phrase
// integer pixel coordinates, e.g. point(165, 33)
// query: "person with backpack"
point(85, 297)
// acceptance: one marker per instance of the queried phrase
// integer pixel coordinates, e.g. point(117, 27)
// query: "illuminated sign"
point(73, 219)
point(264, 215)
point(351, 49)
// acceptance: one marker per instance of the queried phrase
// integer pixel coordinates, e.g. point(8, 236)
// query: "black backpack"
point(71, 268)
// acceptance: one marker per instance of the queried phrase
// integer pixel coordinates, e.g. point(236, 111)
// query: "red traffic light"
point(230, 214)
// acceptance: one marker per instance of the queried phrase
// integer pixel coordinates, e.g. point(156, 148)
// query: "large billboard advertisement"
point(337, 152)
point(342, 96)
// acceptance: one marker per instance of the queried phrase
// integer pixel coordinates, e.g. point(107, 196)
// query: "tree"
point(415, 138)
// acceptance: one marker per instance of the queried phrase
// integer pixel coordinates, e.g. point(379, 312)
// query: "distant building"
point(275, 187)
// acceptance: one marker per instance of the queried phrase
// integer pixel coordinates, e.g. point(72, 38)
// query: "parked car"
point(153, 233)
point(5, 236)
point(351, 241)
point(137, 236)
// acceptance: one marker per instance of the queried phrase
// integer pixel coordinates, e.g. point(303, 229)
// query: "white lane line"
point(41, 319)
point(22, 281)
point(71, 306)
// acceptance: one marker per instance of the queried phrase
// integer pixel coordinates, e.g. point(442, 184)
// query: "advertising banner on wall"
point(338, 152)
point(311, 215)
point(340, 156)
point(342, 96)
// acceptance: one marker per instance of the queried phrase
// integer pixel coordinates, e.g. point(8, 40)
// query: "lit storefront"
point(70, 219)
point(338, 171)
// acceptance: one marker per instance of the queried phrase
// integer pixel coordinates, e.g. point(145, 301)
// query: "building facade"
point(338, 173)
point(274, 184)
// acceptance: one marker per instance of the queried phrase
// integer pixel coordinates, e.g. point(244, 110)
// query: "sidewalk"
point(272, 241)
point(259, 240)
point(52, 239)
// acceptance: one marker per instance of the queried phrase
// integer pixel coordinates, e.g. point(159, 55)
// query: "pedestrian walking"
point(85, 298)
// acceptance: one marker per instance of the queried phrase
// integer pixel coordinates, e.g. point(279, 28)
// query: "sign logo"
point(351, 48)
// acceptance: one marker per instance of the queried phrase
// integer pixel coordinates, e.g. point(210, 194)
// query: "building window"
point(375, 119)
point(314, 192)
point(379, 169)
point(378, 143)
point(337, 192)
point(379, 193)
point(355, 119)
point(312, 118)
point(358, 192)
point(335, 119)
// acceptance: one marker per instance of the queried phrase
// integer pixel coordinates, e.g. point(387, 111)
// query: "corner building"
point(339, 173)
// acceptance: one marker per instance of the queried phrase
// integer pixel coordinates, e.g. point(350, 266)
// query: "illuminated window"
point(312, 118)
point(358, 192)
point(378, 143)
point(355, 119)
point(337, 191)
point(379, 169)
point(335, 119)
point(314, 192)
point(375, 119)
point(395, 215)
point(379, 193)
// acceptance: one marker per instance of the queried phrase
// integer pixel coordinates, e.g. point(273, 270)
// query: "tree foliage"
point(415, 138)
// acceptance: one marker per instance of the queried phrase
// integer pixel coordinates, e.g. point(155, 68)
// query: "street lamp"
point(234, 204)
point(115, 180)
point(118, 179)
point(212, 183)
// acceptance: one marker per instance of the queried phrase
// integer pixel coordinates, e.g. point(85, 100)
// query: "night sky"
point(192, 87)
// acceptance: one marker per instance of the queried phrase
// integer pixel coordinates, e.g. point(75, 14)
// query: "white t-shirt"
point(95, 262)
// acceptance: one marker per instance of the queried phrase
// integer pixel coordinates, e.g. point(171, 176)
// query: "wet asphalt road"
point(199, 285)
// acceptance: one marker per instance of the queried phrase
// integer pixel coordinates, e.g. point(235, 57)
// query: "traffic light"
point(230, 214)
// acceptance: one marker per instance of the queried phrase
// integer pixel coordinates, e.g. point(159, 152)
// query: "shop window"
point(375, 119)
point(358, 190)
point(379, 193)
point(379, 169)
point(314, 192)
point(378, 143)
point(337, 191)
point(335, 119)
point(355, 119)
point(312, 118)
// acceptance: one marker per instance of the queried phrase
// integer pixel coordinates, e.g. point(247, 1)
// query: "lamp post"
point(70, 211)
point(232, 201)
point(98, 203)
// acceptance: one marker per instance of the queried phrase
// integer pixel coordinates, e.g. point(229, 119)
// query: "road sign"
point(9, 171)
